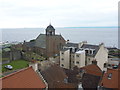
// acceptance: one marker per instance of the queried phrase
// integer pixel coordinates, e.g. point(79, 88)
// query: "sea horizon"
point(93, 35)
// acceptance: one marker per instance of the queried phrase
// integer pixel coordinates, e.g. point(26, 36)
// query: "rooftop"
point(25, 78)
point(111, 79)
point(89, 46)
point(53, 74)
point(93, 70)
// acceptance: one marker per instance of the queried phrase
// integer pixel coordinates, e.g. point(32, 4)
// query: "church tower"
point(50, 31)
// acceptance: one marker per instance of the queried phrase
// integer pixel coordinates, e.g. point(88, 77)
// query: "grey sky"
point(61, 13)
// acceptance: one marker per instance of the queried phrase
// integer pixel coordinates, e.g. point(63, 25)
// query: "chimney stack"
point(34, 65)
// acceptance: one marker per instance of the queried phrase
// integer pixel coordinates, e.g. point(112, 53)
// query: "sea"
point(93, 35)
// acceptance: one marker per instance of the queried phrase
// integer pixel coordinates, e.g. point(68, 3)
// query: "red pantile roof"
point(114, 81)
point(26, 78)
point(93, 70)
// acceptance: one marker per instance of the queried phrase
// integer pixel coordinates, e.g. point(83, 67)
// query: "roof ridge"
point(17, 72)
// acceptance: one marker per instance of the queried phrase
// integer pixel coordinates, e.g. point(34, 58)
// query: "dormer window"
point(110, 76)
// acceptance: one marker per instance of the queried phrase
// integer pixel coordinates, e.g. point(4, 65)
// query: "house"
point(55, 77)
point(91, 76)
point(111, 79)
point(48, 44)
point(81, 54)
point(25, 78)
point(68, 55)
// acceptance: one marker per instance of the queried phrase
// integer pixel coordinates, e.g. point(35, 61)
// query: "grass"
point(17, 64)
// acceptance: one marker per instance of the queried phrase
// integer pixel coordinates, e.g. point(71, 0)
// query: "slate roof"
point(65, 49)
point(72, 45)
point(50, 27)
point(96, 47)
point(53, 74)
point(30, 44)
point(25, 78)
point(41, 41)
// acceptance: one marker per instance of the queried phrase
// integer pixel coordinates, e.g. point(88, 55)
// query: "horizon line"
point(66, 27)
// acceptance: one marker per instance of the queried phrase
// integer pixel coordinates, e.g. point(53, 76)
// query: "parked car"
point(9, 67)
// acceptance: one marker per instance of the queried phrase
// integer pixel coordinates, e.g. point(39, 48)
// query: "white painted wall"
point(80, 59)
point(66, 57)
point(102, 57)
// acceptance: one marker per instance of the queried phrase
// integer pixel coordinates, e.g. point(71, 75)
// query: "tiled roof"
point(91, 76)
point(25, 78)
point(93, 70)
point(53, 74)
point(90, 81)
point(114, 81)
point(72, 75)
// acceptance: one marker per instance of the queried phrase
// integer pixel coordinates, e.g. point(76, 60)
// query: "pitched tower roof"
point(50, 27)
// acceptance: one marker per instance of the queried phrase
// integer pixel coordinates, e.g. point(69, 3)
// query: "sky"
point(60, 13)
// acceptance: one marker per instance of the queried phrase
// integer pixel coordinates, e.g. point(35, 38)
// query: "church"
point(48, 44)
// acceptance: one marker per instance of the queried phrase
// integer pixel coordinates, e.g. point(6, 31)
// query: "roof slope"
point(41, 41)
point(26, 78)
point(114, 81)
point(91, 77)
point(53, 74)
point(61, 85)
point(96, 47)
point(93, 69)
point(72, 45)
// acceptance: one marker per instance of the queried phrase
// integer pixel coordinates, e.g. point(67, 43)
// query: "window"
point(86, 51)
point(62, 52)
point(65, 80)
point(90, 51)
point(62, 59)
point(89, 59)
point(77, 62)
point(110, 76)
point(105, 65)
point(77, 55)
point(62, 65)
